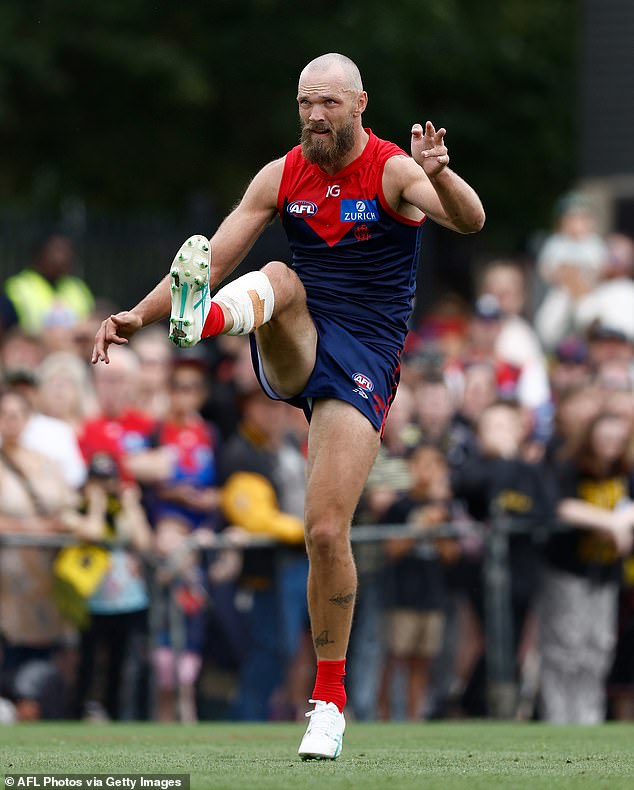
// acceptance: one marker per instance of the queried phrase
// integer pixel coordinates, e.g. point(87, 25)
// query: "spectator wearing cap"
point(527, 383)
point(607, 344)
point(483, 330)
point(570, 368)
point(517, 342)
point(569, 264)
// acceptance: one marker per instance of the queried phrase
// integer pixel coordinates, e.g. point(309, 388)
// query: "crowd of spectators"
point(134, 496)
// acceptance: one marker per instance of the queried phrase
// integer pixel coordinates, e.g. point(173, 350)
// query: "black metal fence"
point(496, 577)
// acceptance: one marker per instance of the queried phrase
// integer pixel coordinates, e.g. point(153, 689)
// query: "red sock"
point(329, 682)
point(215, 321)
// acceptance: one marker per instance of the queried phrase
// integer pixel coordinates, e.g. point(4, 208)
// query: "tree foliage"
point(132, 104)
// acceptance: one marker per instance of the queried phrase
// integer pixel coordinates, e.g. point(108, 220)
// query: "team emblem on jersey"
point(302, 208)
point(359, 211)
point(361, 233)
point(364, 384)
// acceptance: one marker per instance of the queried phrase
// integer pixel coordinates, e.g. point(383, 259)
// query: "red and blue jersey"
point(118, 437)
point(354, 254)
point(356, 258)
point(192, 447)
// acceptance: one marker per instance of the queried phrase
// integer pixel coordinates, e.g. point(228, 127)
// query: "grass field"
point(375, 757)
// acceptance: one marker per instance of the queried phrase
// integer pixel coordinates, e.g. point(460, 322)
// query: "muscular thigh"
point(342, 446)
point(287, 344)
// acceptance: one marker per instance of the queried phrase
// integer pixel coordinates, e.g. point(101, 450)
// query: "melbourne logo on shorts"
point(359, 211)
point(364, 384)
point(302, 208)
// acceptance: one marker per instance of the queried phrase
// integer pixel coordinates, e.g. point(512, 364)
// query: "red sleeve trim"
point(289, 161)
point(396, 151)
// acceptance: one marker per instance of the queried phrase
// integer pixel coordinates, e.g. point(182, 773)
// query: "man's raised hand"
point(428, 148)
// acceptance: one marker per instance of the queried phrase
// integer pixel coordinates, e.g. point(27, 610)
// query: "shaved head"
point(331, 101)
point(334, 62)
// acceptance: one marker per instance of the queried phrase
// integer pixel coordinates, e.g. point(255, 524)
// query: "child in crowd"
point(416, 577)
point(499, 484)
point(118, 607)
point(579, 596)
point(186, 502)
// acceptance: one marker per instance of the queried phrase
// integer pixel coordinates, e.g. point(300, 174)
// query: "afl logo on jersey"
point(302, 208)
point(364, 384)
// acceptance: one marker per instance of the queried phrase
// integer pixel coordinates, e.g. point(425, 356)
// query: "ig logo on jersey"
point(364, 384)
point(302, 208)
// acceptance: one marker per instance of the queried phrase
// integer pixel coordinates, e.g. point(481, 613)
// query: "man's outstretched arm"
point(118, 328)
point(229, 245)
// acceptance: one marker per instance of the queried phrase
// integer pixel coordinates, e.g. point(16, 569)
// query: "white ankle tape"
point(250, 300)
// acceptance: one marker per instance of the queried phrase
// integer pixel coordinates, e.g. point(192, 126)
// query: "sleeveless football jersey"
point(355, 256)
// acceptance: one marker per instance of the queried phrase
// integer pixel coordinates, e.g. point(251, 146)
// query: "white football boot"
point(190, 291)
point(324, 736)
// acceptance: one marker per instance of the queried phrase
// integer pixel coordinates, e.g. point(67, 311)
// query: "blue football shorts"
point(345, 369)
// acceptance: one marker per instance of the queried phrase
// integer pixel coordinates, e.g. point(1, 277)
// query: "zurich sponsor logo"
point(364, 384)
point(359, 211)
point(302, 208)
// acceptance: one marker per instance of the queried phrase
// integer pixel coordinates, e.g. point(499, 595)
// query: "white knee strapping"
point(250, 300)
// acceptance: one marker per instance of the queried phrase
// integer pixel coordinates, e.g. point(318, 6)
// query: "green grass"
point(375, 756)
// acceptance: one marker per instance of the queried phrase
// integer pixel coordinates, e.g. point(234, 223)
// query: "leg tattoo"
point(321, 640)
point(343, 600)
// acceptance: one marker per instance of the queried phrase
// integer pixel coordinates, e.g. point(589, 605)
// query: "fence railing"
point(495, 536)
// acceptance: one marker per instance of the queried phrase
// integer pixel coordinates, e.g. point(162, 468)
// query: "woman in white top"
point(34, 500)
